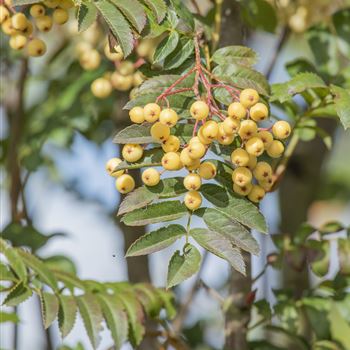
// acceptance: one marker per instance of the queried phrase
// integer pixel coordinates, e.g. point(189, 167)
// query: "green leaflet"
point(182, 267)
point(17, 295)
point(182, 52)
point(8, 317)
point(235, 54)
point(220, 246)
point(159, 212)
point(66, 314)
point(342, 104)
point(158, 7)
point(90, 312)
point(156, 240)
point(86, 15)
point(49, 308)
point(166, 47)
point(135, 133)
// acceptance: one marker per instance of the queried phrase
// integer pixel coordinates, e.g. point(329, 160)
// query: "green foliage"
point(118, 304)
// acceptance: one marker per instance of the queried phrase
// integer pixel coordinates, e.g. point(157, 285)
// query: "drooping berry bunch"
point(22, 27)
point(237, 125)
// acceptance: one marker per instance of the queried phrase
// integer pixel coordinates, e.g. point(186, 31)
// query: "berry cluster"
point(20, 27)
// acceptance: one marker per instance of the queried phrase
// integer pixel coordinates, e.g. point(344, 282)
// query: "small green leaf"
point(182, 52)
point(17, 295)
point(344, 254)
point(8, 317)
point(156, 240)
point(86, 15)
point(168, 301)
point(166, 47)
point(235, 54)
point(342, 104)
point(224, 224)
point(66, 314)
point(340, 328)
point(220, 246)
point(331, 227)
point(116, 319)
point(61, 263)
point(90, 312)
point(118, 25)
point(182, 267)
point(49, 308)
point(320, 262)
point(134, 133)
point(159, 212)
point(158, 7)
point(186, 23)
point(341, 20)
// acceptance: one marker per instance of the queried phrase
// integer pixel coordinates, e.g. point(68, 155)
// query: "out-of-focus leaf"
point(86, 15)
point(340, 329)
point(342, 104)
point(344, 255)
point(8, 317)
point(235, 54)
point(60, 262)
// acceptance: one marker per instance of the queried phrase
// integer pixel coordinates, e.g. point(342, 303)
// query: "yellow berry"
point(37, 10)
point(193, 200)
point(171, 161)
point(66, 4)
point(276, 149)
point(247, 129)
point(121, 82)
point(281, 129)
point(7, 28)
point(230, 125)
point(254, 146)
point(196, 150)
point(252, 162)
point(60, 16)
point(199, 110)
point(82, 46)
point(223, 138)
point(29, 30)
point(144, 48)
point(111, 165)
point(90, 60)
point(256, 194)
point(19, 21)
point(242, 190)
point(125, 183)
point(204, 140)
point(248, 97)
point(160, 132)
point(132, 152)
point(136, 115)
point(266, 184)
point(4, 13)
point(101, 87)
point(236, 111)
point(242, 176)
point(210, 129)
point(138, 78)
point(259, 112)
point(17, 41)
point(151, 177)
point(151, 112)
point(43, 23)
point(36, 47)
point(126, 68)
point(192, 182)
point(207, 170)
point(51, 3)
point(115, 55)
point(168, 117)
point(262, 171)
point(185, 158)
point(240, 157)
point(172, 144)
point(266, 137)
point(194, 165)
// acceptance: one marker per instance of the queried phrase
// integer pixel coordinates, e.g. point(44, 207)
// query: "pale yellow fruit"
point(66, 4)
point(186, 160)
point(171, 161)
point(51, 3)
point(19, 21)
point(192, 182)
point(126, 68)
point(4, 14)
point(60, 16)
point(281, 129)
point(248, 97)
point(247, 129)
point(151, 177)
point(172, 144)
point(151, 112)
point(7, 28)
point(256, 194)
point(194, 165)
point(193, 200)
point(255, 146)
point(266, 137)
point(101, 87)
point(138, 78)
point(121, 82)
point(37, 10)
point(90, 59)
point(276, 149)
point(17, 41)
point(204, 140)
point(28, 30)
point(242, 190)
point(240, 157)
point(207, 170)
point(210, 130)
point(115, 55)
point(236, 111)
point(160, 132)
point(136, 115)
point(231, 126)
point(199, 110)
point(266, 184)
point(145, 48)
point(36, 47)
point(43, 23)
point(241, 176)
point(132, 152)
point(196, 150)
point(259, 112)
point(111, 165)
point(168, 117)
point(223, 138)
point(252, 162)
point(262, 171)
point(125, 183)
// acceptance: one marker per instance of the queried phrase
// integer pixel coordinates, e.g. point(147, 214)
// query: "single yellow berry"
point(4, 14)
point(207, 170)
point(259, 112)
point(43, 23)
point(66, 4)
point(252, 162)
point(144, 47)
point(136, 115)
point(90, 59)
point(196, 150)
point(17, 41)
point(241, 176)
point(121, 82)
point(60, 16)
point(262, 171)
point(199, 110)
point(125, 183)
point(186, 160)
point(230, 125)
point(115, 55)
point(138, 78)
point(248, 97)
point(266, 137)
point(171, 161)
point(29, 30)
point(36, 47)
point(151, 177)
point(37, 10)
point(192, 182)
point(242, 190)
point(247, 129)
point(7, 28)
point(51, 3)
point(224, 138)
point(151, 112)
point(168, 117)
point(193, 200)
point(111, 165)
point(281, 129)
point(256, 194)
point(210, 129)
point(236, 111)
point(132, 152)
point(19, 21)
point(255, 146)
point(172, 144)
point(160, 132)
point(82, 46)
point(194, 165)
point(101, 87)
point(240, 157)
point(266, 184)
point(126, 68)
point(276, 149)
point(204, 140)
